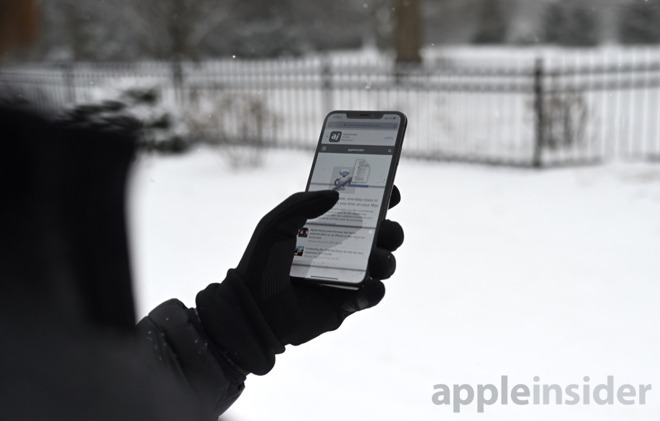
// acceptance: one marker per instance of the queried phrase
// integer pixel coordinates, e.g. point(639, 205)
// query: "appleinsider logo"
point(335, 136)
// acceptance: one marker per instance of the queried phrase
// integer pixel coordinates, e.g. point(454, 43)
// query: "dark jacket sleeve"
point(173, 335)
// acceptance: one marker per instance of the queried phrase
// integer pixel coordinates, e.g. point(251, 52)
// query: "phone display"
point(357, 156)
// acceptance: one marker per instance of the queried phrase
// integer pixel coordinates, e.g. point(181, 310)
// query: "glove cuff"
point(235, 324)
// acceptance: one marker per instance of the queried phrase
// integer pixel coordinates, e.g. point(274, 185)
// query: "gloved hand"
point(258, 309)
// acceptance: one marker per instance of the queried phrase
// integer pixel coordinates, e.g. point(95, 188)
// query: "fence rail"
point(534, 111)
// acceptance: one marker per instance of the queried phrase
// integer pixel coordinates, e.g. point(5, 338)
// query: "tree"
point(492, 23)
point(569, 23)
point(71, 29)
point(175, 29)
point(407, 31)
point(640, 23)
point(129, 29)
point(195, 29)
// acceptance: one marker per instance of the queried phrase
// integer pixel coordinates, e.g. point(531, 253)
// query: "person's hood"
point(63, 240)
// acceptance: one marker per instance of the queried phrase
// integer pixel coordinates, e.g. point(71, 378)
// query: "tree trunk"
point(78, 32)
point(407, 31)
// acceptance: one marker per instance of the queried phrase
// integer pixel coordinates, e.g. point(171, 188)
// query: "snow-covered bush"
point(139, 111)
point(564, 120)
point(240, 124)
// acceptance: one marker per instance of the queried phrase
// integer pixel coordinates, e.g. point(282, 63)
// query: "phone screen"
point(357, 156)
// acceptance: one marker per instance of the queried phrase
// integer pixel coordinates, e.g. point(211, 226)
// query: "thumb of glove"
point(266, 263)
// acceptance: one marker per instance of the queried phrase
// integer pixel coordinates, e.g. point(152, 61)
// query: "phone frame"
point(396, 155)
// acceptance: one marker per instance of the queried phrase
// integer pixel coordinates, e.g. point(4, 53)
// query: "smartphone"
point(357, 155)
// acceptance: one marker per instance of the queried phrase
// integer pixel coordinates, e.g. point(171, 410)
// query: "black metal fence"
point(528, 111)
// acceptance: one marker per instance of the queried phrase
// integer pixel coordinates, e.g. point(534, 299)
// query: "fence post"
point(537, 158)
point(326, 85)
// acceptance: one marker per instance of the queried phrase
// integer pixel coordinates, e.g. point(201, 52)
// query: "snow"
point(611, 94)
point(504, 271)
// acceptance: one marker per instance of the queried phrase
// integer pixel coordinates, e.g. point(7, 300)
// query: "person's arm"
point(239, 325)
point(172, 336)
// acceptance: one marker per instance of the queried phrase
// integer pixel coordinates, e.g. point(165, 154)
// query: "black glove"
point(257, 309)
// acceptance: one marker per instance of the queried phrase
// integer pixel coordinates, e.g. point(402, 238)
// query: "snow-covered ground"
point(554, 274)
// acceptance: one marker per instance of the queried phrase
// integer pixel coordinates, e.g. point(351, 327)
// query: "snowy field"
point(504, 272)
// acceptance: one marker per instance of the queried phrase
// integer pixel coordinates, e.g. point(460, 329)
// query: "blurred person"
point(70, 346)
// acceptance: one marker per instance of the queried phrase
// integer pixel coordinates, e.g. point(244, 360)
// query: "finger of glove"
point(290, 215)
point(371, 293)
point(382, 264)
point(395, 197)
point(280, 226)
point(390, 235)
